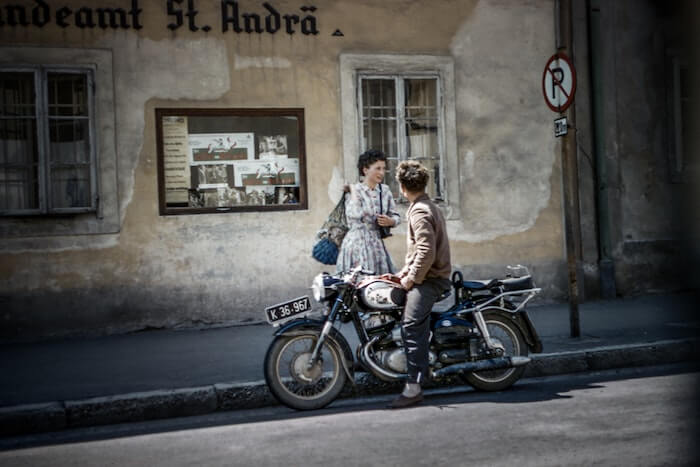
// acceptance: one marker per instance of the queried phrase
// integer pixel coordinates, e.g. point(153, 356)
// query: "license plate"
point(281, 312)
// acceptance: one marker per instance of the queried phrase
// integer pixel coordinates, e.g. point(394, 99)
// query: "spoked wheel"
point(506, 335)
point(297, 384)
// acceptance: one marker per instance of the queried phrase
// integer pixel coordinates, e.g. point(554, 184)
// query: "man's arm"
point(424, 235)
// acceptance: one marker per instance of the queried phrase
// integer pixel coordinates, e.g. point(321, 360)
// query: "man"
point(425, 276)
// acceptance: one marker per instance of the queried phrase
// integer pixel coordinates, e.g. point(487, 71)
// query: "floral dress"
point(362, 245)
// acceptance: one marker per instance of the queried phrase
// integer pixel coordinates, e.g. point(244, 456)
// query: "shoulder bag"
point(331, 234)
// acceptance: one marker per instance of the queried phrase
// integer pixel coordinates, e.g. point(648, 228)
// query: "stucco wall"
point(647, 199)
point(214, 269)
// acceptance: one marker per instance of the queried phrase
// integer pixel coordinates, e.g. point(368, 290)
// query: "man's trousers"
point(416, 325)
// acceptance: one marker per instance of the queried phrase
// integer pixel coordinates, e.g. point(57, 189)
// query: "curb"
point(151, 405)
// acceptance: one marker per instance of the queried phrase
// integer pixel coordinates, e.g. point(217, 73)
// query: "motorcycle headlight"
point(323, 286)
point(318, 288)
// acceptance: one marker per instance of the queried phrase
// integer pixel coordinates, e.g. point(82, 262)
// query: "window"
point(47, 156)
point(400, 117)
point(226, 160)
point(403, 105)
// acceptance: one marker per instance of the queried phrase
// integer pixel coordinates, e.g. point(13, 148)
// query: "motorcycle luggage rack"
point(499, 289)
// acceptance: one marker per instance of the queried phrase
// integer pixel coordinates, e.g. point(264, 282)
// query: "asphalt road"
point(635, 417)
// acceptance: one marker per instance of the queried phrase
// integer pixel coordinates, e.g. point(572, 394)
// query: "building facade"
point(166, 164)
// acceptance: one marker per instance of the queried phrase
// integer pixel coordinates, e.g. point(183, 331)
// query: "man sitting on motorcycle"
point(425, 275)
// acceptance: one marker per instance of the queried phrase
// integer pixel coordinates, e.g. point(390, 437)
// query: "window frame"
point(42, 118)
point(400, 107)
point(298, 113)
point(351, 64)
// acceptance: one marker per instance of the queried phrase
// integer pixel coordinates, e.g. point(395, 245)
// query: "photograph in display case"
point(269, 172)
point(287, 194)
point(224, 196)
point(272, 147)
point(217, 147)
point(195, 198)
point(260, 195)
point(212, 176)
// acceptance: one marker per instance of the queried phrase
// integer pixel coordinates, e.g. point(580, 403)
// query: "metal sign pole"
point(572, 221)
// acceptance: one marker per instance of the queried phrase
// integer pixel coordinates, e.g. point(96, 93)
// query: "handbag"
point(384, 232)
point(331, 234)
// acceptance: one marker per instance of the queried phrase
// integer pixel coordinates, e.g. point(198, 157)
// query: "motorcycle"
point(484, 337)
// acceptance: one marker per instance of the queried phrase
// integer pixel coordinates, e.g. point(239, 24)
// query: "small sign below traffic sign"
point(559, 82)
point(561, 127)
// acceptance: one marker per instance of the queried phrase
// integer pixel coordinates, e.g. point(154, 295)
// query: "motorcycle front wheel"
point(296, 384)
point(504, 332)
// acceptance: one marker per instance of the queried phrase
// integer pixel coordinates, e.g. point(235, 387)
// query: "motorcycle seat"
point(480, 285)
point(517, 283)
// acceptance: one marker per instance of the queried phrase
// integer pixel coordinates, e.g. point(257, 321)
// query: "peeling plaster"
point(506, 171)
point(335, 186)
point(139, 66)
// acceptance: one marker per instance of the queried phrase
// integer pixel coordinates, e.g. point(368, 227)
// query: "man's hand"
point(391, 277)
point(407, 283)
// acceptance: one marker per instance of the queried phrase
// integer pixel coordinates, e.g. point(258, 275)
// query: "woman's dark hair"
point(368, 158)
point(413, 176)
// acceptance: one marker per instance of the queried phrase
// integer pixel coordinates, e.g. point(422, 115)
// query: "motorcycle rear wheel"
point(293, 383)
point(502, 329)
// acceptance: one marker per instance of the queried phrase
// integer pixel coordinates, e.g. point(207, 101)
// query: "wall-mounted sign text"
point(264, 20)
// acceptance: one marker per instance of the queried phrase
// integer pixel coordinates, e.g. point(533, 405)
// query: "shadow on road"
point(524, 392)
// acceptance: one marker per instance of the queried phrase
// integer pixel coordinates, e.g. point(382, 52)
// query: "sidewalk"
point(155, 374)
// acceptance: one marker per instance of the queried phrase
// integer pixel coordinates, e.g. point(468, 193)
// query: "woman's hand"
point(385, 221)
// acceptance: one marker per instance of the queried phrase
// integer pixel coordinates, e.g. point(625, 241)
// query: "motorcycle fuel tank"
point(380, 294)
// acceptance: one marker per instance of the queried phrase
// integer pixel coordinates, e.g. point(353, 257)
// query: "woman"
point(362, 245)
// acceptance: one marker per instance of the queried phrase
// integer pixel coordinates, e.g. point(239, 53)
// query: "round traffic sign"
point(559, 82)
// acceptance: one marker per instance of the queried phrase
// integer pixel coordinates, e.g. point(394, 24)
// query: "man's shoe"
point(403, 401)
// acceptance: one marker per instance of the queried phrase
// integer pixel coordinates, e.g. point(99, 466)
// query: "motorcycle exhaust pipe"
point(481, 365)
point(379, 372)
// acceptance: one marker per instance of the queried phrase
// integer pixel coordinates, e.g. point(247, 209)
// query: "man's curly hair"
point(368, 158)
point(413, 176)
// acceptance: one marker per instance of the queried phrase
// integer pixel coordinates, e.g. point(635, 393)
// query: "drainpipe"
point(606, 266)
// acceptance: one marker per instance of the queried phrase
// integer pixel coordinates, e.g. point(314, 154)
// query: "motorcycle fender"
point(335, 336)
point(522, 321)
point(531, 336)
point(304, 323)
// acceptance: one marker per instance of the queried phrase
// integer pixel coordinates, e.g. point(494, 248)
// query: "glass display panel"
point(220, 160)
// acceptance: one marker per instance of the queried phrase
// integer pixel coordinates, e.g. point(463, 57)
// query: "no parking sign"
point(559, 82)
